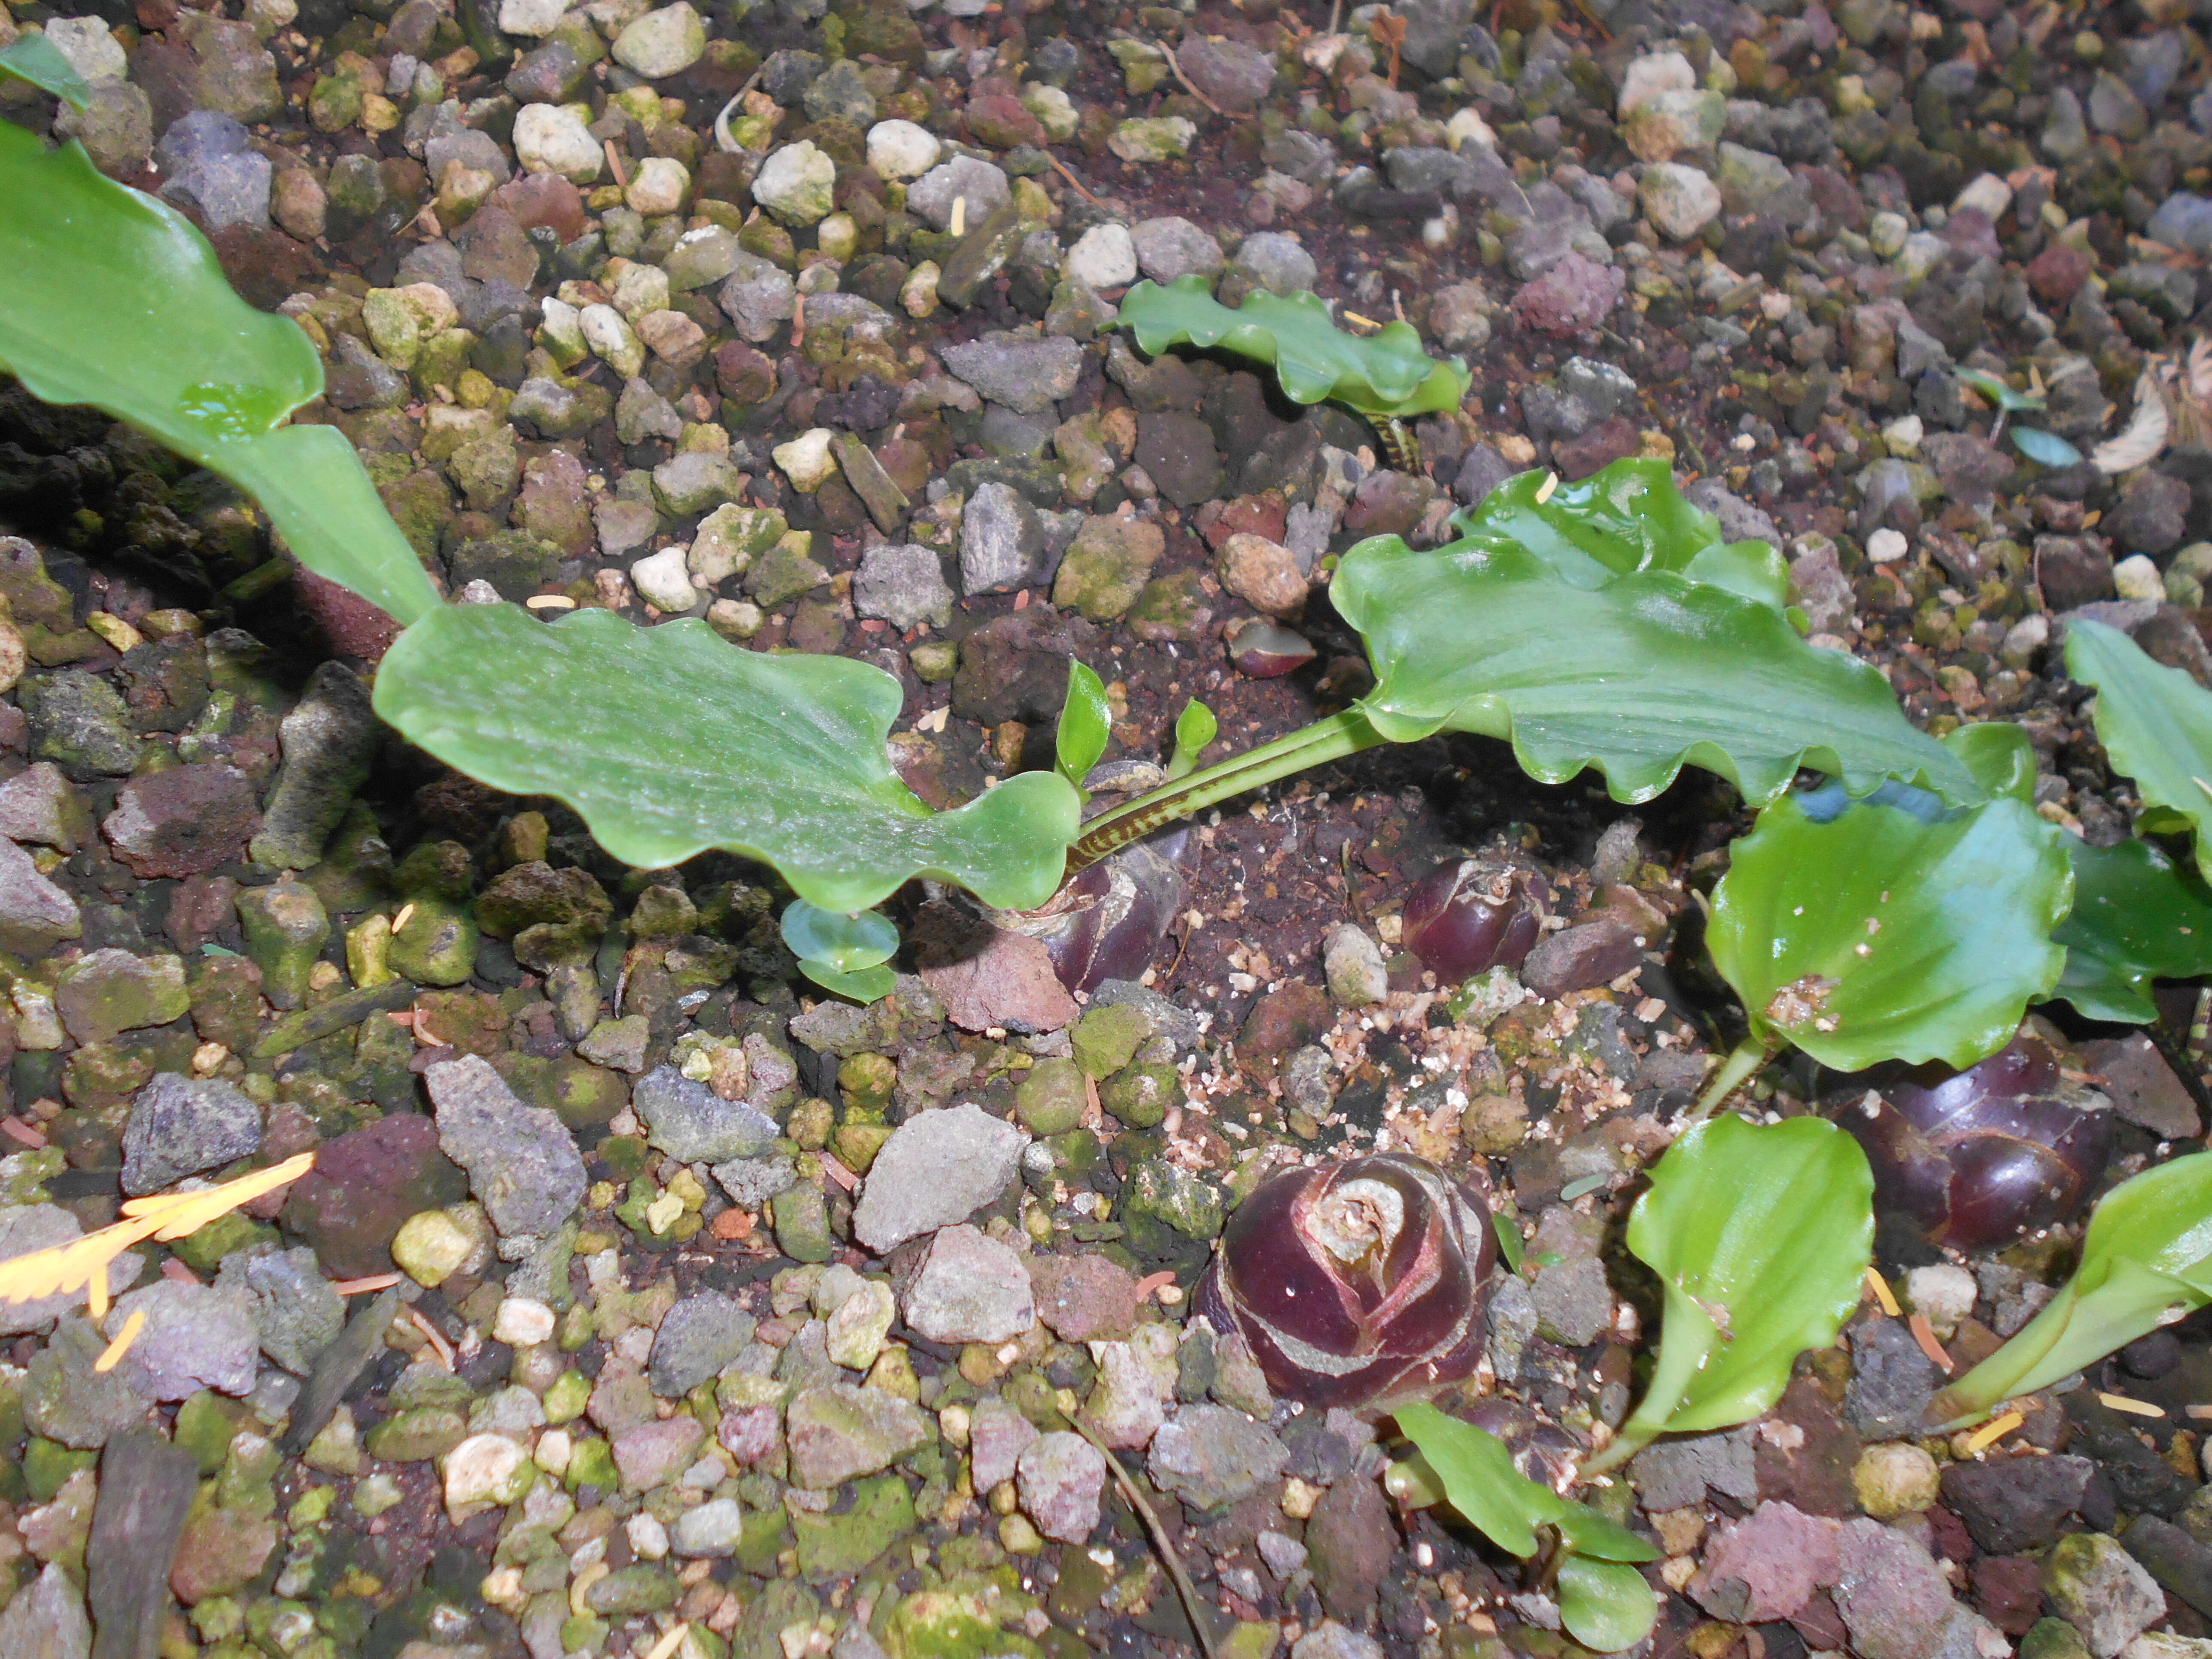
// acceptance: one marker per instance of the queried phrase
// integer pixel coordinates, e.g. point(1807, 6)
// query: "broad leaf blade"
point(1386, 373)
point(779, 757)
point(1604, 1606)
point(1863, 930)
point(2045, 448)
point(2156, 723)
point(1479, 1480)
point(112, 298)
point(2137, 917)
point(1636, 678)
point(1761, 1235)
point(36, 59)
point(1626, 517)
point(1085, 722)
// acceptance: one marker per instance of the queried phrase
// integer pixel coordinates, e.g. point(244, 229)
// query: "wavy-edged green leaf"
point(36, 59)
point(845, 943)
point(1889, 929)
point(1086, 723)
point(2137, 917)
point(1637, 678)
point(2156, 723)
point(861, 984)
point(2146, 1262)
point(1195, 727)
point(1760, 1234)
point(2045, 448)
point(670, 741)
point(1606, 1606)
point(1626, 517)
point(1385, 374)
point(112, 298)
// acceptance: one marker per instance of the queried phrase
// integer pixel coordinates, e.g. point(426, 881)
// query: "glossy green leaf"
point(36, 59)
point(845, 943)
point(1086, 723)
point(1888, 928)
point(1472, 1470)
point(1998, 392)
point(861, 984)
point(2156, 723)
point(1195, 727)
point(2137, 917)
point(1653, 670)
point(1386, 373)
point(1626, 517)
point(2045, 448)
point(1605, 1605)
point(112, 298)
point(2146, 1262)
point(1761, 1235)
point(1999, 754)
point(670, 741)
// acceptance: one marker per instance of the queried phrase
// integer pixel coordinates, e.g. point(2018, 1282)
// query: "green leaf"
point(112, 298)
point(1998, 392)
point(1386, 373)
point(1761, 1235)
point(2156, 723)
point(2137, 917)
point(1195, 727)
point(1636, 678)
point(1086, 723)
point(1889, 929)
point(2045, 448)
point(1473, 1471)
point(1509, 1247)
point(1586, 1532)
point(845, 943)
point(669, 741)
point(2002, 759)
point(1605, 1606)
point(36, 59)
point(2146, 1262)
point(861, 984)
point(1624, 518)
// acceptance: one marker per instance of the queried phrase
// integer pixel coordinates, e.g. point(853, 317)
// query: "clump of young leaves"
point(2145, 1263)
point(1588, 1562)
point(2043, 448)
point(1384, 375)
point(845, 954)
point(1761, 1235)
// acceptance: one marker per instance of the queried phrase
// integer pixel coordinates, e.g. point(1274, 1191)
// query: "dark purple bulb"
point(1358, 1283)
point(1467, 915)
point(1261, 651)
point(1107, 922)
point(1975, 1158)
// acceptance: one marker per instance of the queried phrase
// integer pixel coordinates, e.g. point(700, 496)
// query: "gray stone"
point(522, 1162)
point(759, 297)
point(1891, 1593)
point(838, 1432)
point(694, 1124)
point(982, 185)
point(180, 1126)
point(195, 1337)
point(2092, 1581)
point(1330, 1640)
point(1892, 1382)
point(1210, 1454)
point(35, 914)
point(45, 1620)
point(1574, 1306)
point(712, 1530)
point(1002, 541)
point(79, 722)
point(210, 166)
point(1060, 1478)
point(65, 1400)
point(752, 1182)
point(903, 585)
point(937, 1167)
point(1675, 1474)
point(1172, 247)
point(28, 1227)
point(1352, 964)
point(701, 1335)
point(1026, 375)
point(1268, 260)
point(971, 1288)
point(298, 1312)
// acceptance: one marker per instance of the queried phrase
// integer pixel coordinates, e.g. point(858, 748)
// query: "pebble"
point(1026, 375)
point(697, 1337)
point(1103, 257)
point(195, 1337)
point(971, 1288)
point(694, 1124)
point(522, 1162)
point(795, 182)
point(903, 585)
point(1173, 246)
point(982, 184)
point(1060, 1478)
point(1002, 541)
point(840, 1433)
point(902, 149)
point(662, 43)
point(1210, 1454)
point(2092, 1581)
point(551, 138)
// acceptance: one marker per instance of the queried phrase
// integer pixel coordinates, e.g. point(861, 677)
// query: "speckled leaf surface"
point(1384, 373)
point(2156, 723)
point(1637, 678)
point(670, 741)
point(112, 298)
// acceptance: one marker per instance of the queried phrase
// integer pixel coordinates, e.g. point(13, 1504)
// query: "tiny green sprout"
point(1195, 728)
point(1086, 721)
point(842, 953)
point(2145, 1263)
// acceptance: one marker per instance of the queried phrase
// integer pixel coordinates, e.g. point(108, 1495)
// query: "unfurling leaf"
point(1651, 671)
point(1086, 720)
point(112, 298)
point(1385, 374)
point(2146, 1262)
point(2156, 723)
point(1195, 728)
point(2137, 917)
point(2139, 442)
point(1761, 1235)
point(670, 741)
point(1889, 928)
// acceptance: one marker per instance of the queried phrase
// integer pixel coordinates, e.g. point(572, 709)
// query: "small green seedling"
point(842, 953)
point(1761, 1236)
point(1383, 376)
point(1086, 721)
point(1892, 927)
point(1195, 728)
point(2145, 1263)
point(2043, 448)
point(1587, 1561)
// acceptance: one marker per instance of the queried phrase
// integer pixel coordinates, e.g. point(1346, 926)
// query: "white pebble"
point(1887, 545)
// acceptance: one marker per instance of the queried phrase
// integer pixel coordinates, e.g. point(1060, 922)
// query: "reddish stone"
point(1601, 446)
point(745, 376)
point(354, 627)
point(365, 1184)
point(1573, 297)
point(266, 267)
point(184, 822)
point(545, 199)
point(1084, 1298)
point(2008, 1592)
point(2057, 274)
point(995, 117)
point(1284, 1021)
point(201, 907)
point(1254, 515)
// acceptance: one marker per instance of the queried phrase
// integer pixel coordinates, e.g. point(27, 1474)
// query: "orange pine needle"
point(1882, 1294)
point(112, 1355)
point(1992, 1431)
point(1925, 1336)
